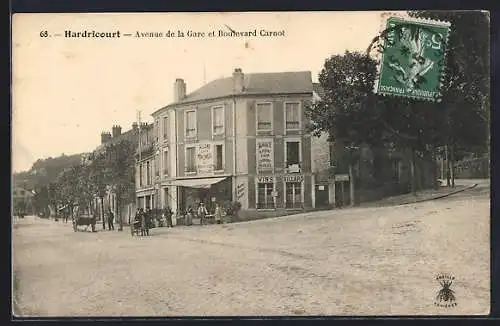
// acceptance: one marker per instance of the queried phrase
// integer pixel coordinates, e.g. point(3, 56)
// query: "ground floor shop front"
point(180, 194)
point(258, 192)
point(283, 191)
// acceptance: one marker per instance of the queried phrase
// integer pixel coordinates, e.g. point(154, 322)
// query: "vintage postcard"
point(251, 164)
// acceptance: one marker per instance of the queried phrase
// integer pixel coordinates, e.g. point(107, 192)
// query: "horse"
point(86, 221)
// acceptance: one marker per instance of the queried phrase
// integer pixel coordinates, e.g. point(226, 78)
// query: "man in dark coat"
point(111, 219)
point(146, 220)
point(168, 216)
point(202, 212)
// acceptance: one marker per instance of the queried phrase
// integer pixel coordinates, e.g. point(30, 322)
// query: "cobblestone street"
point(360, 261)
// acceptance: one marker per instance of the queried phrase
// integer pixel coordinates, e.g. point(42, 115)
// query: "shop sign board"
point(265, 155)
point(205, 159)
point(342, 177)
point(293, 178)
point(265, 179)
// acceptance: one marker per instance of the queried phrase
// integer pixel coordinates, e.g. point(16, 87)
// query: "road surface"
point(360, 261)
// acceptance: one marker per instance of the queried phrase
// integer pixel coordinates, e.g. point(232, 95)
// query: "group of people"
point(144, 218)
point(202, 213)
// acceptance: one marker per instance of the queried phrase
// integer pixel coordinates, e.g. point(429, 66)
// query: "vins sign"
point(265, 179)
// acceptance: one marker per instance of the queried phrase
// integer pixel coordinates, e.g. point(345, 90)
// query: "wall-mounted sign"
point(204, 158)
point(274, 193)
point(321, 187)
point(240, 191)
point(265, 179)
point(265, 155)
point(294, 168)
point(293, 178)
point(342, 177)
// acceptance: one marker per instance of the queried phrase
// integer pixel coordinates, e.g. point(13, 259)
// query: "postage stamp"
point(412, 57)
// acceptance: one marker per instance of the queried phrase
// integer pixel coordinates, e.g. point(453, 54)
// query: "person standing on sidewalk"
point(218, 214)
point(144, 225)
point(168, 216)
point(146, 220)
point(189, 216)
point(111, 218)
point(202, 212)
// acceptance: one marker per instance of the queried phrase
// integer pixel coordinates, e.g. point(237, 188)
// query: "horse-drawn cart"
point(88, 221)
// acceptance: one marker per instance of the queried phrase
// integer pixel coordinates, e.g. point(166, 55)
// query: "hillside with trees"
point(45, 171)
point(80, 183)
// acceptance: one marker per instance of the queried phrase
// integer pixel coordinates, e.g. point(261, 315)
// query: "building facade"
point(110, 201)
point(146, 168)
point(469, 168)
point(22, 199)
point(242, 138)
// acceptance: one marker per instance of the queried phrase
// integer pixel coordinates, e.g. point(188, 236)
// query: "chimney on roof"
point(105, 137)
point(135, 126)
point(238, 78)
point(179, 89)
point(117, 131)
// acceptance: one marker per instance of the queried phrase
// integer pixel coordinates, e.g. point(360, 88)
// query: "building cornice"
point(177, 105)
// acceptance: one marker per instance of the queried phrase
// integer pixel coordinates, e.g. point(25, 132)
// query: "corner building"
point(241, 138)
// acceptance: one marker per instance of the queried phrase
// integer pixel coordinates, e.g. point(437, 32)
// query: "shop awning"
point(198, 183)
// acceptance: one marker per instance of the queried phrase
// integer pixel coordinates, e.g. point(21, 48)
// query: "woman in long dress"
point(218, 214)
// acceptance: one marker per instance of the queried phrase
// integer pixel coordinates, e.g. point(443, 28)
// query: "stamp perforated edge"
point(378, 56)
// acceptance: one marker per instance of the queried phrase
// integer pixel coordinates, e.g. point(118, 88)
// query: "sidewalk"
point(424, 195)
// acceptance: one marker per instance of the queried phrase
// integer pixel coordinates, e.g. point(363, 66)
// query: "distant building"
point(22, 198)
point(470, 168)
point(241, 138)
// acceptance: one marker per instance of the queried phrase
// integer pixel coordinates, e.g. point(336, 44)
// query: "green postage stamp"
point(412, 57)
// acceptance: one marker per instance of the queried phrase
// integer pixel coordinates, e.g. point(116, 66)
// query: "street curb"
point(438, 197)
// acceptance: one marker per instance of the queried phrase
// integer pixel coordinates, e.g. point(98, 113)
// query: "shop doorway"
point(342, 194)
point(208, 193)
point(322, 196)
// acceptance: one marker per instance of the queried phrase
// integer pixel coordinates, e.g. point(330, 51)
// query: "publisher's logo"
point(446, 296)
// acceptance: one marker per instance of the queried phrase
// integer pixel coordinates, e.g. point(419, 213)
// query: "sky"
point(66, 91)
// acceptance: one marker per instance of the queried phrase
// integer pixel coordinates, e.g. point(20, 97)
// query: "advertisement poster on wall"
point(204, 159)
point(265, 155)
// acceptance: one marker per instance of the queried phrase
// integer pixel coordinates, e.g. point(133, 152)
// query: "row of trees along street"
point(79, 185)
point(353, 115)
